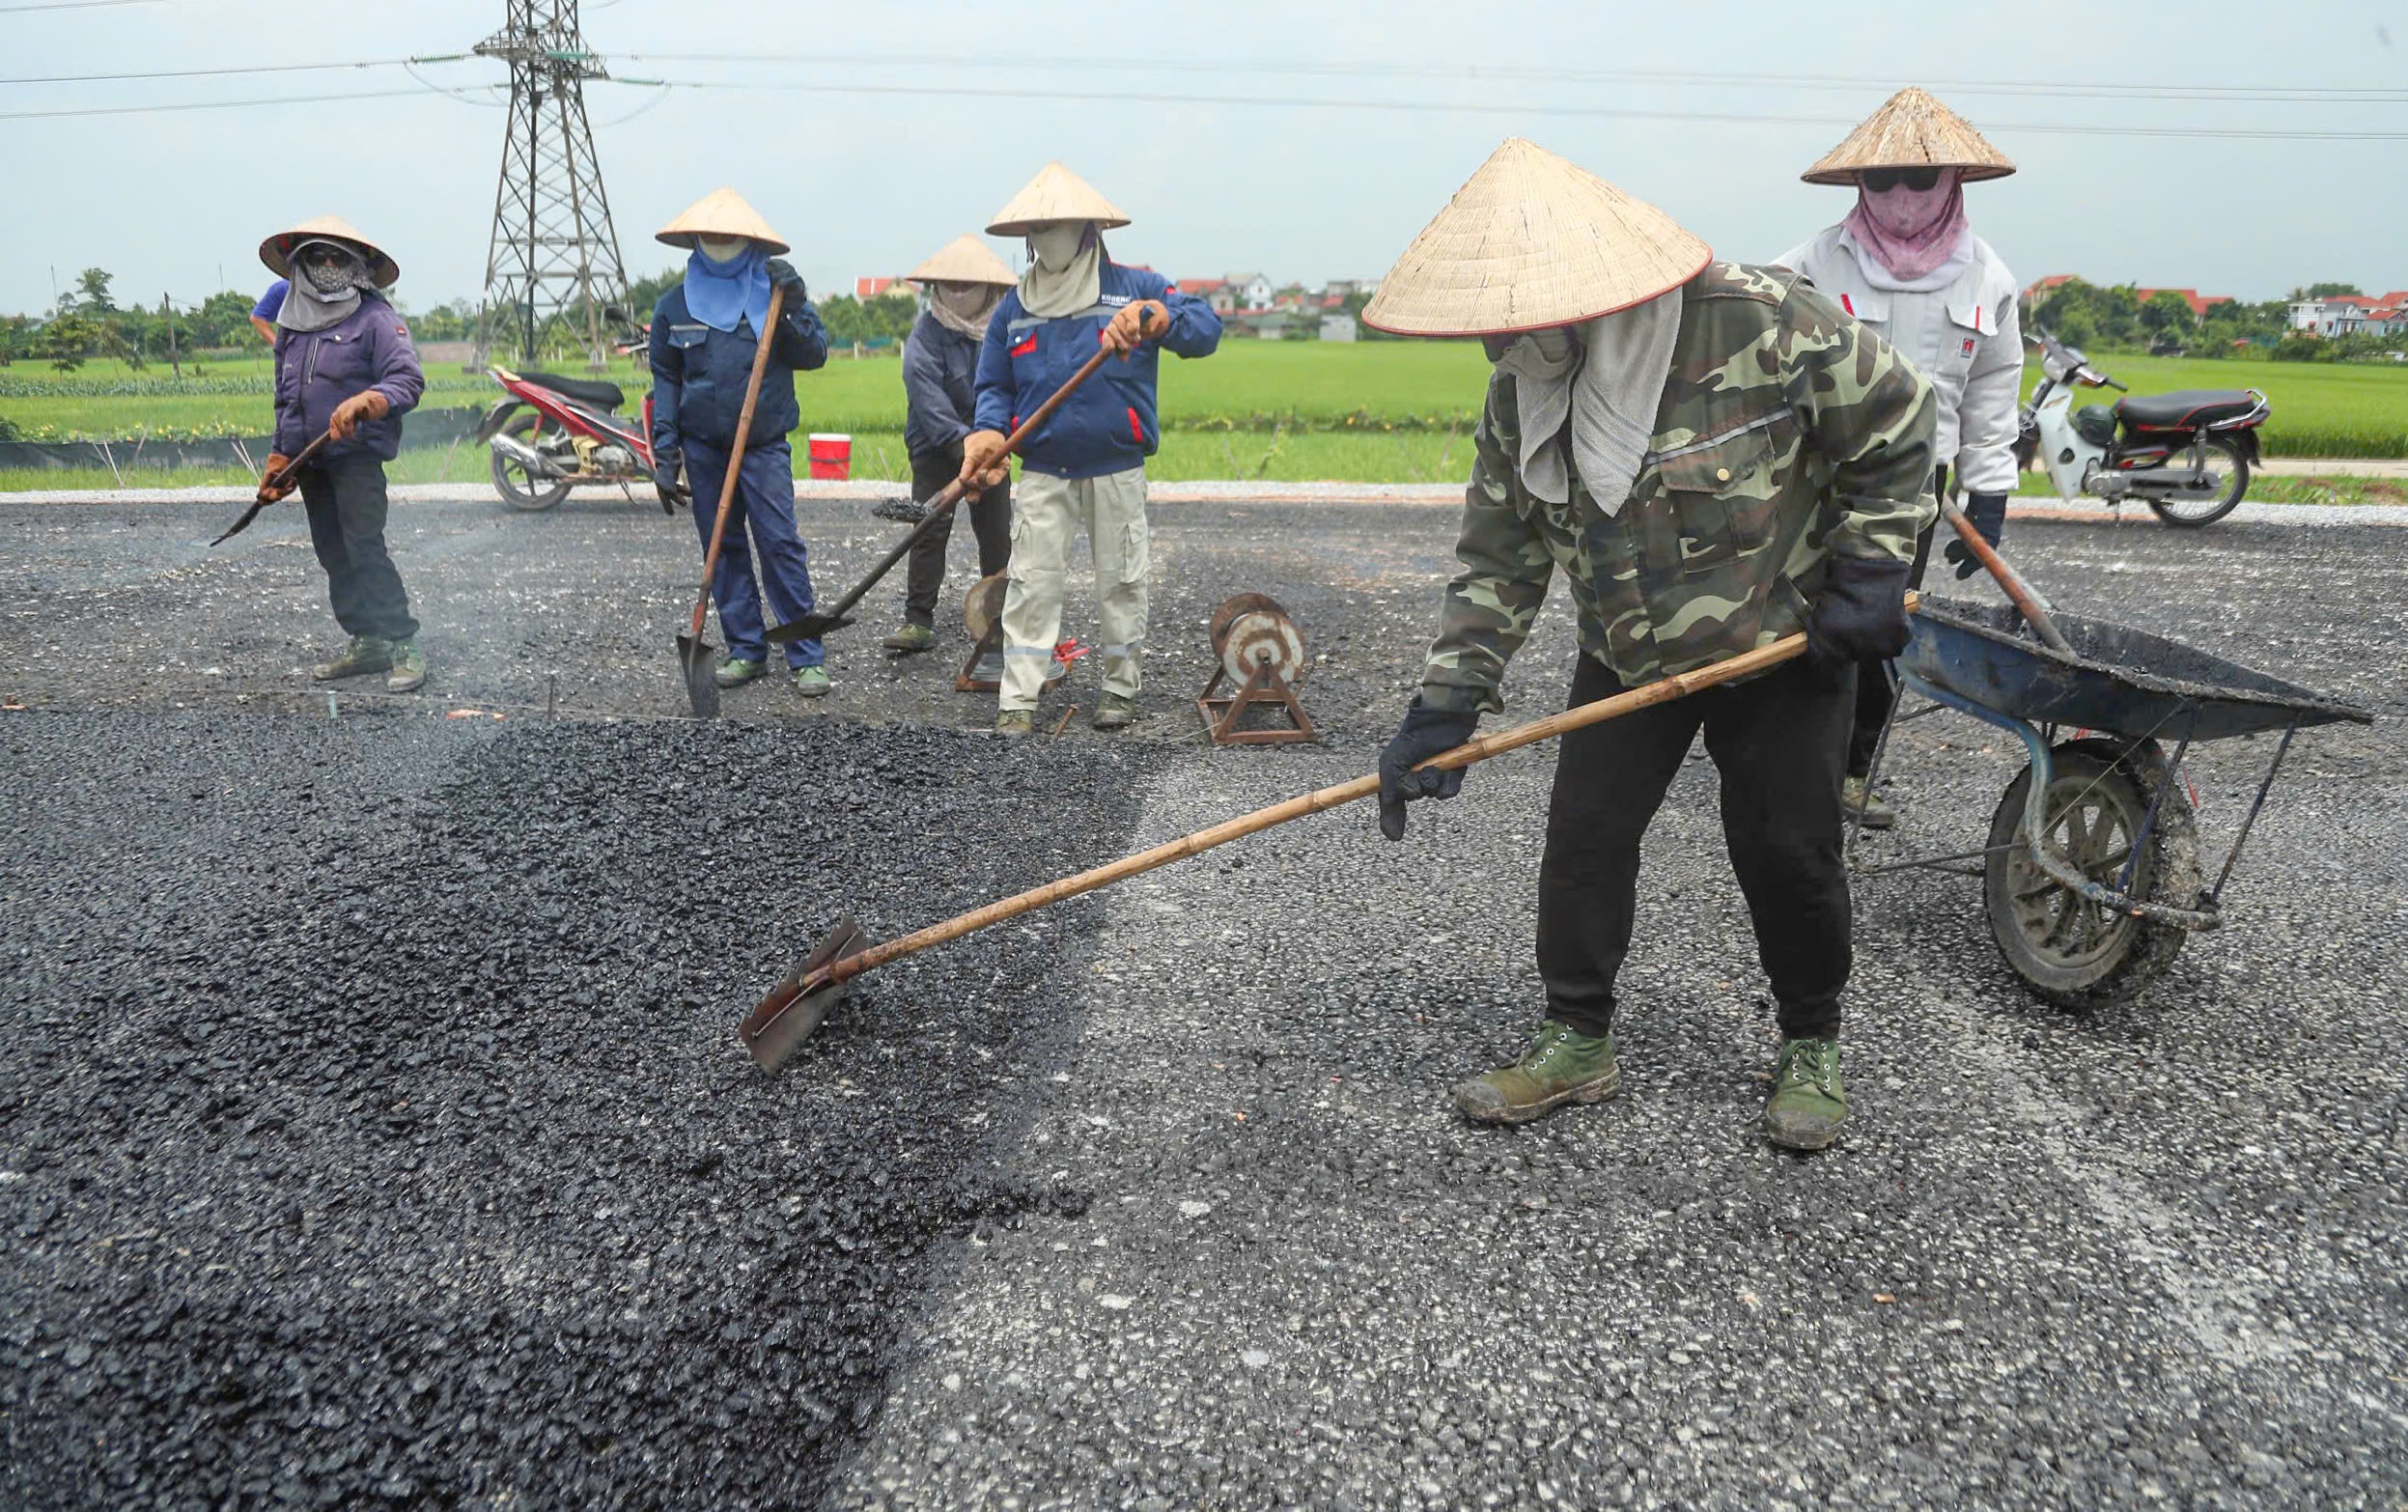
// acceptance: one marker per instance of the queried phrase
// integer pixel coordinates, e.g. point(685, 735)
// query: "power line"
point(243, 69)
point(72, 4)
point(216, 104)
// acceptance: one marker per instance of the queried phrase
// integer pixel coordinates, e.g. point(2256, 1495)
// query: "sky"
point(863, 137)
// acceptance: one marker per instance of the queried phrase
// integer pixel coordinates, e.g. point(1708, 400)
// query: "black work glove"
point(1988, 513)
point(782, 274)
point(1425, 733)
point(1861, 615)
point(665, 484)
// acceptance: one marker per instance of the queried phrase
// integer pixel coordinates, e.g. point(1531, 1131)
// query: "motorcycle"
point(572, 435)
point(2186, 455)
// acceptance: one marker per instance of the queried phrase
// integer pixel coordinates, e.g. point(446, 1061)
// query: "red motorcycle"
point(572, 435)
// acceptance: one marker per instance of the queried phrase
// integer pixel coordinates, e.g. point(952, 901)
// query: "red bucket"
point(831, 456)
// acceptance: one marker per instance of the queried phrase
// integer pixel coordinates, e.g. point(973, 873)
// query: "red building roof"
point(871, 287)
point(1198, 285)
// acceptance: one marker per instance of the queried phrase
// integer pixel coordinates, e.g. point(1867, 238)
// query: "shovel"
point(783, 1021)
point(811, 627)
point(695, 654)
point(2026, 602)
point(282, 477)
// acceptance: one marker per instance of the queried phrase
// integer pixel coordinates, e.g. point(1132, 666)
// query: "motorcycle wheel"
point(2190, 514)
point(520, 489)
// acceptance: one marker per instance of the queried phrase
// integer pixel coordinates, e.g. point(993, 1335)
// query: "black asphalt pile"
point(372, 1128)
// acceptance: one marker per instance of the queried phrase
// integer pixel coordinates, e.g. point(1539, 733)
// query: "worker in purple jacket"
point(344, 368)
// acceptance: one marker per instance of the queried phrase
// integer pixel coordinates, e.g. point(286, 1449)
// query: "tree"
point(16, 338)
point(2325, 290)
point(223, 319)
point(64, 341)
point(92, 288)
point(2168, 314)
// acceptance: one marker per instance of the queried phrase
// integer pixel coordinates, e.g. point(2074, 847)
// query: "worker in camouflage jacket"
point(1720, 459)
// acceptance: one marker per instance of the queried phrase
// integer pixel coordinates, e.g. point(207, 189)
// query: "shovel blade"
point(699, 659)
point(783, 1020)
point(811, 627)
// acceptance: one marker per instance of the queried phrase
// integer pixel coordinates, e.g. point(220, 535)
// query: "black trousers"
point(347, 507)
point(1875, 693)
point(1775, 739)
point(990, 517)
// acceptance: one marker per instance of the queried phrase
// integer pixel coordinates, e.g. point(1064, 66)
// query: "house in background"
point(1337, 325)
point(2351, 315)
point(1214, 291)
point(871, 287)
point(1250, 291)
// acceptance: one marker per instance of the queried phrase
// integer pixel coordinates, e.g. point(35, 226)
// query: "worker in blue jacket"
point(704, 334)
point(1084, 468)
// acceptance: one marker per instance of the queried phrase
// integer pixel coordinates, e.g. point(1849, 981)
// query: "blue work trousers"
point(764, 498)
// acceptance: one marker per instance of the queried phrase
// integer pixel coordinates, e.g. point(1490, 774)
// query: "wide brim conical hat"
point(722, 212)
point(1532, 241)
point(965, 259)
point(1055, 194)
point(1911, 129)
point(277, 250)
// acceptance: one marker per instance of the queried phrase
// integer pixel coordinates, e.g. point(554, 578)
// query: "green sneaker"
point(737, 671)
point(812, 682)
point(1808, 1104)
point(408, 666)
point(910, 638)
point(366, 653)
point(1116, 712)
point(1017, 722)
point(1561, 1066)
point(1878, 815)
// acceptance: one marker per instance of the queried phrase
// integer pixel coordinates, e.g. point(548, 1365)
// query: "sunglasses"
point(1881, 181)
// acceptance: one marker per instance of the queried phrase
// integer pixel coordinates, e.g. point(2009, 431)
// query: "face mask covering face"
point(1054, 246)
point(721, 249)
point(1067, 273)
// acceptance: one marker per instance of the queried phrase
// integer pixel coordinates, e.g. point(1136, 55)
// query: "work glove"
point(782, 274)
point(270, 489)
point(1861, 615)
point(982, 458)
point(1425, 733)
point(366, 404)
point(666, 484)
point(1988, 513)
point(1136, 322)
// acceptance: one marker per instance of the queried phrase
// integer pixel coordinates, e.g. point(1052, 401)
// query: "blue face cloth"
point(719, 293)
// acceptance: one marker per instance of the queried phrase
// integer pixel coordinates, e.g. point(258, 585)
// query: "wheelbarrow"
point(2090, 874)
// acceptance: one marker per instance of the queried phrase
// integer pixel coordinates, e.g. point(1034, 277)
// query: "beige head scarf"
point(1602, 378)
point(965, 307)
point(1065, 269)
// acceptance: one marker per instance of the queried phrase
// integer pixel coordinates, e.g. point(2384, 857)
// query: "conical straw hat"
point(722, 212)
point(1532, 241)
point(1055, 194)
point(277, 250)
point(965, 259)
point(1912, 131)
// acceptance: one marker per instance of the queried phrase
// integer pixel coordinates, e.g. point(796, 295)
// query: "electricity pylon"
point(555, 262)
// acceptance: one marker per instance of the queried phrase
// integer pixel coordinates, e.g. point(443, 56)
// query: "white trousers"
point(1048, 513)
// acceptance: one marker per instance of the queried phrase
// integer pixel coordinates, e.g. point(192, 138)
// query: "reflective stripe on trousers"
point(1048, 513)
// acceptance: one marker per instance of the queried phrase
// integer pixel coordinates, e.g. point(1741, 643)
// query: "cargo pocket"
point(1016, 568)
point(1133, 549)
point(1721, 494)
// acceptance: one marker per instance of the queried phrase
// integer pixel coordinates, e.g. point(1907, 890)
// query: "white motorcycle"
point(2185, 454)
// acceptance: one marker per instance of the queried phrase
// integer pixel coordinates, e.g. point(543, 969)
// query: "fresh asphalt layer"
point(371, 1128)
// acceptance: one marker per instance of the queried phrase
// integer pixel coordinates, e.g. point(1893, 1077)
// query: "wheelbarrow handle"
point(2026, 603)
point(1664, 692)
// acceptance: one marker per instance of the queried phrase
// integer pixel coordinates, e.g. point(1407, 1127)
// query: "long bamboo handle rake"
point(785, 1018)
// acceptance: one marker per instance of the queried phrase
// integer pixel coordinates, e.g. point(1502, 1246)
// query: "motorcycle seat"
point(585, 391)
point(2186, 409)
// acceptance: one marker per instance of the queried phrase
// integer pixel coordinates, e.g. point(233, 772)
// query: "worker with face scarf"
point(345, 369)
point(1714, 457)
point(964, 284)
point(1907, 264)
point(1085, 469)
point(705, 332)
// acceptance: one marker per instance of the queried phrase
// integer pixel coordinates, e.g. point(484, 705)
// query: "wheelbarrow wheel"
point(2074, 952)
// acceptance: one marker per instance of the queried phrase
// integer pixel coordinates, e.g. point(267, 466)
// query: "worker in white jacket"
point(1906, 263)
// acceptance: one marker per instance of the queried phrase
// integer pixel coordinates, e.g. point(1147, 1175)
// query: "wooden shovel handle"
point(1665, 691)
point(736, 453)
point(2018, 592)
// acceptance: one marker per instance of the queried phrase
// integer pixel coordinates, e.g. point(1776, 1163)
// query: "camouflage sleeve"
point(1871, 416)
point(1491, 604)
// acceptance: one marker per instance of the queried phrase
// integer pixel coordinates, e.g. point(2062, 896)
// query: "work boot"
point(1808, 1104)
point(1562, 1065)
point(813, 682)
point(1017, 722)
point(1854, 795)
point(366, 653)
point(1116, 712)
point(408, 666)
point(737, 671)
point(910, 638)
